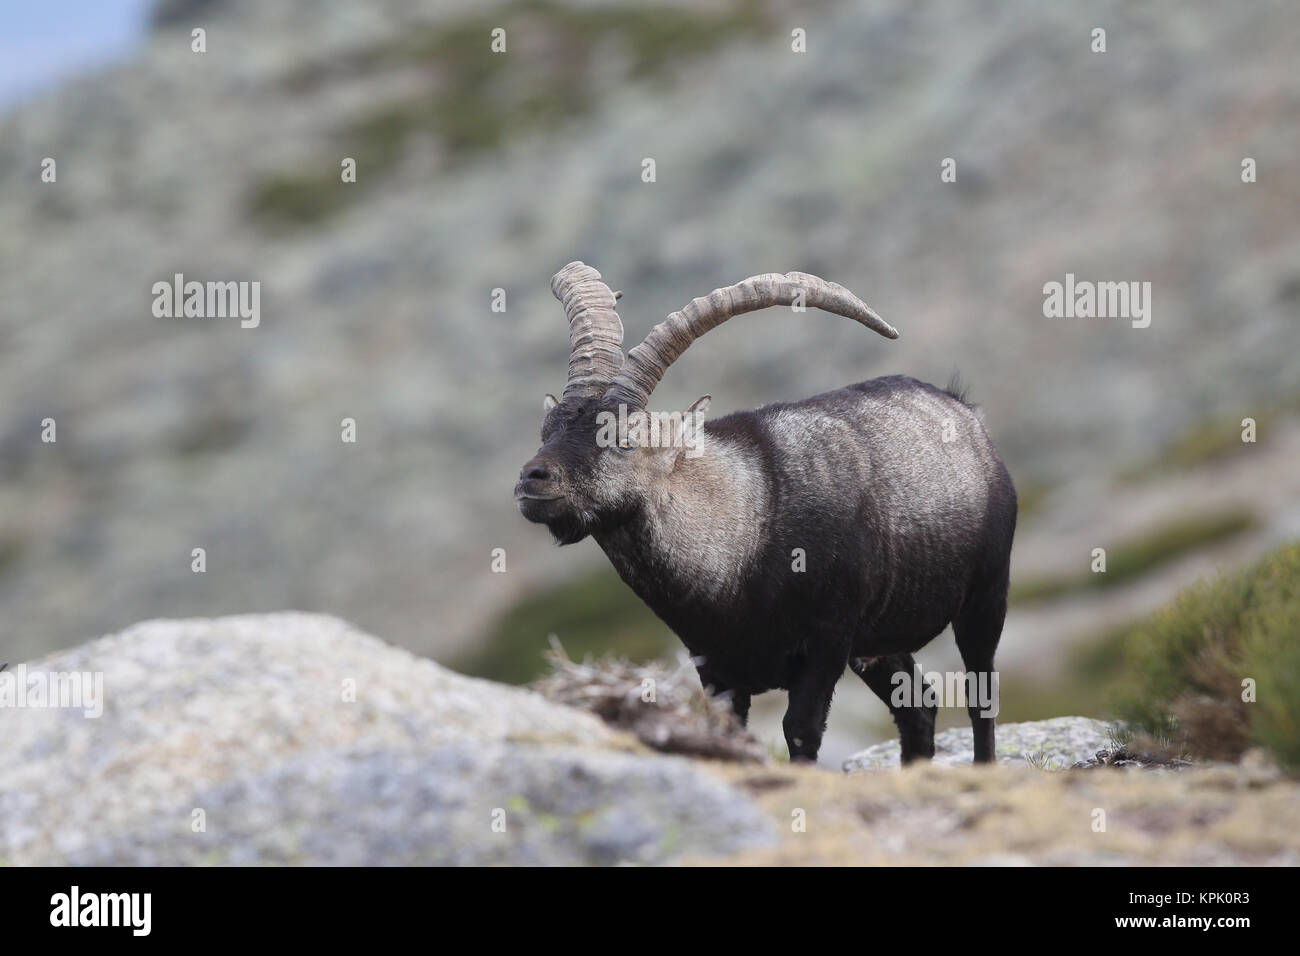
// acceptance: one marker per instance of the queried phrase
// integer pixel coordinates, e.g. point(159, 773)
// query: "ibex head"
point(601, 451)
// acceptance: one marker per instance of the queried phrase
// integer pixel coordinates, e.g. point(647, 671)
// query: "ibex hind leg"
point(915, 722)
point(978, 628)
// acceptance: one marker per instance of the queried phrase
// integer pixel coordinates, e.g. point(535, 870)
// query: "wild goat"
point(791, 541)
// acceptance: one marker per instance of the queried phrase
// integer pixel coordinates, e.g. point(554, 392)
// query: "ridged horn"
point(595, 332)
point(646, 364)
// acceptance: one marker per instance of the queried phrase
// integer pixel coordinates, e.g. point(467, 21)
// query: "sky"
point(44, 40)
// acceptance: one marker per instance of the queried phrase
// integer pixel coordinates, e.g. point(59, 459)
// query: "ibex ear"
point(549, 401)
point(689, 438)
point(700, 406)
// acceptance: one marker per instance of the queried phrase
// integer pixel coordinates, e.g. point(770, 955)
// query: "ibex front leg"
point(811, 689)
point(713, 685)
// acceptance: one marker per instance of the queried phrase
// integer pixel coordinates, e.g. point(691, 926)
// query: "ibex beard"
point(845, 530)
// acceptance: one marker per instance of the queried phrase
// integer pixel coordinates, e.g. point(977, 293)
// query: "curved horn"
point(646, 364)
point(595, 332)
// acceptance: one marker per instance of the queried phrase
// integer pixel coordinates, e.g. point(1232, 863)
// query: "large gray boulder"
point(294, 738)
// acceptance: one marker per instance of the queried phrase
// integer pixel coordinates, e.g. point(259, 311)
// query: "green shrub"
point(1185, 665)
point(297, 200)
point(1272, 653)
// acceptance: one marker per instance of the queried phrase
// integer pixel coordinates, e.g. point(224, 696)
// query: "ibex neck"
point(699, 528)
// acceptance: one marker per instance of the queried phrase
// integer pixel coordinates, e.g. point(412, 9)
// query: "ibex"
point(793, 540)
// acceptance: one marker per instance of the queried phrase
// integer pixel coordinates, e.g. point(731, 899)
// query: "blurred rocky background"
point(479, 171)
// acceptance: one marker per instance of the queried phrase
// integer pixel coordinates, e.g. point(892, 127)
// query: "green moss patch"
point(595, 615)
point(554, 69)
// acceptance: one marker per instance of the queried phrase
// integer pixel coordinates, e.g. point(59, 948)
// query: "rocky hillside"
point(479, 171)
point(293, 738)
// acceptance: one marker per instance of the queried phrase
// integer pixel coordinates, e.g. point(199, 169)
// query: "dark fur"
point(903, 534)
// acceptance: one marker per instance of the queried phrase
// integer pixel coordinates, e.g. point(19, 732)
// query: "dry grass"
point(931, 815)
point(663, 706)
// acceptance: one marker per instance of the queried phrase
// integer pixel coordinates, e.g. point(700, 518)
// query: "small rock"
point(1050, 744)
